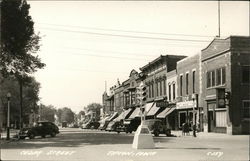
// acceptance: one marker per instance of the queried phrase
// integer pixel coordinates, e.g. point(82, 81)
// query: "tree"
point(30, 92)
point(67, 115)
point(19, 43)
point(95, 108)
point(47, 113)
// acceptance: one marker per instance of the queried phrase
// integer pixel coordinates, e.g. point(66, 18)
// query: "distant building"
point(226, 70)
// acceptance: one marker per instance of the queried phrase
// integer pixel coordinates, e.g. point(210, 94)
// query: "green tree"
point(95, 108)
point(19, 43)
point(67, 115)
point(47, 113)
point(30, 91)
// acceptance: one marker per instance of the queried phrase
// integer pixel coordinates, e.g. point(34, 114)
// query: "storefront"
point(187, 113)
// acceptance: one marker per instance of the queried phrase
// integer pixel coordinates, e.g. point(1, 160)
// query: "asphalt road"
point(78, 144)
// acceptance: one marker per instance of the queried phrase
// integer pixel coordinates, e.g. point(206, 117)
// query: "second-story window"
point(193, 81)
point(157, 91)
point(160, 88)
point(164, 87)
point(181, 84)
point(187, 83)
point(174, 91)
point(169, 92)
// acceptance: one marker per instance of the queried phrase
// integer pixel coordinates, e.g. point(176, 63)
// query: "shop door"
point(210, 121)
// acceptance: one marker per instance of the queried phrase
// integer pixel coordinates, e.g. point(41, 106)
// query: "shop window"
point(245, 74)
point(246, 108)
point(221, 118)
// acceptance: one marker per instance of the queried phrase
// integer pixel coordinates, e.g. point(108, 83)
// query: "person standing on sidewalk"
point(194, 130)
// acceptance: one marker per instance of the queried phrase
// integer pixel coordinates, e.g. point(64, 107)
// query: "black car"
point(42, 129)
point(128, 125)
point(91, 125)
point(157, 127)
point(112, 126)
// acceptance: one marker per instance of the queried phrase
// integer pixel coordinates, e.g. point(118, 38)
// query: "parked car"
point(157, 127)
point(112, 126)
point(91, 125)
point(42, 129)
point(128, 125)
point(64, 124)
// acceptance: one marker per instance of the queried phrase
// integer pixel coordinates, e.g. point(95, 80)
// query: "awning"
point(148, 106)
point(166, 112)
point(153, 110)
point(136, 113)
point(123, 115)
point(113, 116)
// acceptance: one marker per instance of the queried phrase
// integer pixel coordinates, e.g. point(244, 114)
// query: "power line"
point(96, 55)
point(127, 31)
point(126, 36)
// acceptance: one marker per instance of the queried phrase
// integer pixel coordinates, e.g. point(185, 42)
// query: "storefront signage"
point(185, 105)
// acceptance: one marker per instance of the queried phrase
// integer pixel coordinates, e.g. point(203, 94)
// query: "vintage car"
point(157, 127)
point(42, 129)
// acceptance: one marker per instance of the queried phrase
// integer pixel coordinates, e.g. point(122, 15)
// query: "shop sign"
point(185, 105)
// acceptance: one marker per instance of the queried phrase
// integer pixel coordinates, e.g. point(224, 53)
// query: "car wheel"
point(156, 133)
point(43, 136)
point(118, 132)
point(53, 134)
point(31, 136)
point(21, 137)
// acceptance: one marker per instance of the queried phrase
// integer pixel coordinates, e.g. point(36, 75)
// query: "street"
point(78, 144)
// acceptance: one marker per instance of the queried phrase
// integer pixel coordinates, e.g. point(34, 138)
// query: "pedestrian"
point(183, 129)
point(194, 130)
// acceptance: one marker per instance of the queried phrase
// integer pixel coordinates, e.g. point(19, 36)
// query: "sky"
point(88, 43)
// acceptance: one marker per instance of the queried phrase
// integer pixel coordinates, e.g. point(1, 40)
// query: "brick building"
point(188, 83)
point(161, 80)
point(226, 69)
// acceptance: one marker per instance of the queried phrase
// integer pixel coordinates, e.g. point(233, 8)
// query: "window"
point(246, 108)
point(149, 91)
point(169, 92)
point(187, 83)
point(213, 78)
point(245, 74)
point(157, 91)
point(181, 77)
point(193, 81)
point(164, 87)
point(153, 94)
point(174, 91)
point(160, 88)
point(220, 76)
point(216, 77)
point(223, 70)
point(208, 79)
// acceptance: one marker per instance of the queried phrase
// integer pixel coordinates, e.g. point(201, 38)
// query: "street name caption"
point(37, 153)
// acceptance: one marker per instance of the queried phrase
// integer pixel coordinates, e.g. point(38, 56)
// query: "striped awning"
point(136, 113)
point(166, 112)
point(153, 110)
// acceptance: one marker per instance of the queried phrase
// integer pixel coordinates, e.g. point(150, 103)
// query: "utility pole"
point(219, 17)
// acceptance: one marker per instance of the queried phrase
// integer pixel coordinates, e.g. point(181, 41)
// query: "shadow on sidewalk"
point(74, 139)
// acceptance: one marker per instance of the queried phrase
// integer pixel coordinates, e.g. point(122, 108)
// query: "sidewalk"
point(178, 133)
point(13, 132)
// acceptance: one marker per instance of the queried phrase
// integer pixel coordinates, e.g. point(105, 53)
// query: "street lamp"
point(8, 116)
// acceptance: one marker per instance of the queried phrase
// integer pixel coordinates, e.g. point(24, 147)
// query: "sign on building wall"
point(185, 105)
